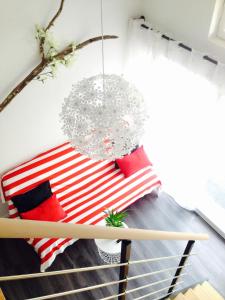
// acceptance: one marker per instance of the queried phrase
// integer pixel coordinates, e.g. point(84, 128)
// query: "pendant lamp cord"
point(103, 55)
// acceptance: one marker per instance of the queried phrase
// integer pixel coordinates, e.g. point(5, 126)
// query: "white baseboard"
point(214, 218)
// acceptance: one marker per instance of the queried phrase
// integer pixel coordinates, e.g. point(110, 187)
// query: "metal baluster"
point(182, 262)
point(124, 258)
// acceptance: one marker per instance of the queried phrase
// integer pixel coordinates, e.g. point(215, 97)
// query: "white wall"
point(185, 20)
point(30, 123)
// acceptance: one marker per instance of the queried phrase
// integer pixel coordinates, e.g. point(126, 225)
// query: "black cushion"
point(32, 198)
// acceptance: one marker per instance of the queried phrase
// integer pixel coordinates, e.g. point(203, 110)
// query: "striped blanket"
point(84, 187)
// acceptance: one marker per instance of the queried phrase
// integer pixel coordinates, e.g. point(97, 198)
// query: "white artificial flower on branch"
point(51, 57)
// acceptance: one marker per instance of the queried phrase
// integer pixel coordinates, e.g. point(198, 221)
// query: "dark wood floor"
point(16, 257)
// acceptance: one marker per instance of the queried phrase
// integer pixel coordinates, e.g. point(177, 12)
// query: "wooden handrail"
point(17, 228)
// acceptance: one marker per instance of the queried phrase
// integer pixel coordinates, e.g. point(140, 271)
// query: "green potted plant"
point(115, 219)
point(110, 250)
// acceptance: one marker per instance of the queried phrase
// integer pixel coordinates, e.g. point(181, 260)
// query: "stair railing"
point(16, 228)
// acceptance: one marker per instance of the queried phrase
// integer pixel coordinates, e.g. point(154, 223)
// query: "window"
point(217, 27)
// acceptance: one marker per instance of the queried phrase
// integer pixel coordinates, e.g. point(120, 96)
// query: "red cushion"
point(49, 210)
point(133, 162)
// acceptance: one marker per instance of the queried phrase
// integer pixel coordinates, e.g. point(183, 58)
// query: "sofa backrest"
point(65, 168)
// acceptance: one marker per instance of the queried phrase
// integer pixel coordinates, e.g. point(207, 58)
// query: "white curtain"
point(185, 95)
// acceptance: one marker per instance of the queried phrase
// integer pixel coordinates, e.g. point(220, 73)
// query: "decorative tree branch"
point(43, 64)
point(51, 23)
point(69, 49)
point(41, 48)
point(39, 68)
point(47, 61)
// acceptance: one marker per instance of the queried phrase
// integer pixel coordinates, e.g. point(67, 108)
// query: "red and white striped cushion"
point(84, 187)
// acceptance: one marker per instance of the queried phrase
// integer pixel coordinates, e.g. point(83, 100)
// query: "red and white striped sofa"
point(84, 187)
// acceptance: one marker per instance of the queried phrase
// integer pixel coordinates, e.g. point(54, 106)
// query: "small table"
point(109, 250)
